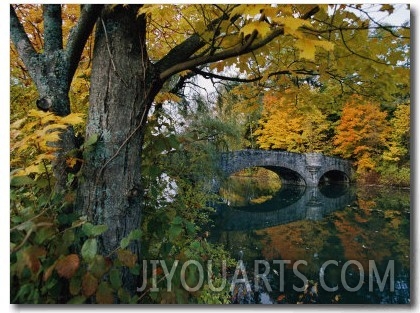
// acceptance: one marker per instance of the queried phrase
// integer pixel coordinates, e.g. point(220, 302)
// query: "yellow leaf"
point(291, 25)
point(49, 117)
point(327, 45)
point(248, 10)
point(32, 169)
point(54, 127)
point(184, 73)
point(261, 27)
point(307, 47)
point(72, 119)
point(387, 7)
point(44, 156)
point(51, 137)
point(71, 162)
point(166, 96)
point(17, 124)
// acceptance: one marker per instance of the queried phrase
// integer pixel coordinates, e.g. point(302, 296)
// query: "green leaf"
point(17, 181)
point(99, 229)
point(166, 248)
point(99, 266)
point(173, 141)
point(190, 228)
point(177, 220)
point(91, 141)
point(135, 234)
point(124, 243)
point(174, 231)
point(75, 285)
point(135, 270)
point(77, 300)
point(124, 296)
point(87, 229)
point(93, 230)
point(115, 279)
point(104, 294)
point(195, 245)
point(89, 249)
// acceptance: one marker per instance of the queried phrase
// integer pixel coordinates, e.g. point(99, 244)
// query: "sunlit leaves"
point(363, 133)
point(35, 135)
point(399, 146)
point(287, 126)
point(261, 27)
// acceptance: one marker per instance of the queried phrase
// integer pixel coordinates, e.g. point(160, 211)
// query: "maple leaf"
point(261, 27)
point(387, 7)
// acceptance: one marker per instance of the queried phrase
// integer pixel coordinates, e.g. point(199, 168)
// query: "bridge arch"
point(293, 168)
point(287, 176)
point(334, 176)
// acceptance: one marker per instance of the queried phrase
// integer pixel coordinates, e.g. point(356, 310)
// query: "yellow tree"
point(295, 128)
point(399, 145)
point(362, 133)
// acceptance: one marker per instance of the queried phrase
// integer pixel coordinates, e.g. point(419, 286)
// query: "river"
point(331, 244)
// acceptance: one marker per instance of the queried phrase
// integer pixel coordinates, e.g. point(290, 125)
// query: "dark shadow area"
point(334, 177)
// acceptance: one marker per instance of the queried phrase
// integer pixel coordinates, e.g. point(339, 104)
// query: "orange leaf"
point(67, 266)
point(89, 284)
point(127, 258)
point(31, 256)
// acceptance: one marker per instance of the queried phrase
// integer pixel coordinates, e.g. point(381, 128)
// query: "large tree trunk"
point(123, 86)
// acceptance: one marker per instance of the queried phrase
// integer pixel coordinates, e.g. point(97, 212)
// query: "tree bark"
point(52, 70)
point(123, 86)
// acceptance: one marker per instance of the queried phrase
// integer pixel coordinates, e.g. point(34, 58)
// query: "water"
point(334, 244)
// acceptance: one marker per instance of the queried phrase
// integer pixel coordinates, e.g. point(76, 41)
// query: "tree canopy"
point(87, 194)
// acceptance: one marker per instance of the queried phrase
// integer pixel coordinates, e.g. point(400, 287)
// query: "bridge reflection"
point(291, 203)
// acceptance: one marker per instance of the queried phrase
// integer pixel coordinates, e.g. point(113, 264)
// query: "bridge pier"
point(314, 163)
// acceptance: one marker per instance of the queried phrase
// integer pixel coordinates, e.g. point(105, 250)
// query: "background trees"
point(145, 57)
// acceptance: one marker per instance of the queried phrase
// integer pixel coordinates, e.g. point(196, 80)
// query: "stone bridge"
point(307, 169)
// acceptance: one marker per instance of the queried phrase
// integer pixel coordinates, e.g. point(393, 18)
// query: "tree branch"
point(209, 75)
point(188, 47)
point(53, 35)
point(240, 49)
point(21, 41)
point(235, 51)
point(358, 54)
point(80, 34)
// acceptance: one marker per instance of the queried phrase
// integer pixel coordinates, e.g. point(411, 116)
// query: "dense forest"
point(119, 111)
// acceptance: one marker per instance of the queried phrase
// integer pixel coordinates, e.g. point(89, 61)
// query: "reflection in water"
point(357, 230)
point(290, 204)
